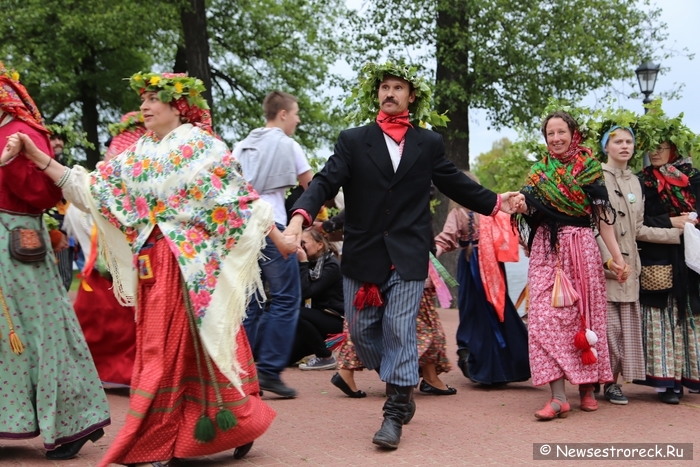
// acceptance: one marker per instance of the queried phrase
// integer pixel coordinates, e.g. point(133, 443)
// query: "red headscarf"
point(127, 138)
point(15, 100)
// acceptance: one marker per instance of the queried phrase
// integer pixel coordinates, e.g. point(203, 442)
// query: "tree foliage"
point(261, 45)
point(509, 56)
point(505, 166)
point(74, 54)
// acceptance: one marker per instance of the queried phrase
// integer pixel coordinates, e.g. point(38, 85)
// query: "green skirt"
point(52, 388)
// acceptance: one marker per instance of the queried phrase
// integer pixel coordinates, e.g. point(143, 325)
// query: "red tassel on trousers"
point(368, 295)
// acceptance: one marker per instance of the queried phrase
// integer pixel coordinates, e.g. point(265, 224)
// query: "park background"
point(494, 64)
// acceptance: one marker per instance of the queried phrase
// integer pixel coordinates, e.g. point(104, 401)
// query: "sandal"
point(548, 413)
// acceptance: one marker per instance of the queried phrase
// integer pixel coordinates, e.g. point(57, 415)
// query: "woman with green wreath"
point(182, 231)
point(624, 331)
point(670, 291)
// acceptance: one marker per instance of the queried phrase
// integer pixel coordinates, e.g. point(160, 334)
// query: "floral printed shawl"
point(190, 186)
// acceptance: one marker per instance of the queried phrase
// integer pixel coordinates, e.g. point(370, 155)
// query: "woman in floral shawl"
point(181, 231)
point(670, 317)
point(566, 197)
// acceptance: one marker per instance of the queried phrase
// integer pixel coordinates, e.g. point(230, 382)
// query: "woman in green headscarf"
point(566, 199)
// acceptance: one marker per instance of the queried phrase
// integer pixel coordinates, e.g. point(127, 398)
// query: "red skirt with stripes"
point(166, 386)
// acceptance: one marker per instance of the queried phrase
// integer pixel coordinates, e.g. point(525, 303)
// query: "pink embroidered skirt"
point(552, 330)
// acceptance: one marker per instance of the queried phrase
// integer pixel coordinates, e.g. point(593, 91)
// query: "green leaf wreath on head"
point(365, 102)
point(655, 127)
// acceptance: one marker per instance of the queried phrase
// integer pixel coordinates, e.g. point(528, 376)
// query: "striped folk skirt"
point(671, 347)
point(168, 394)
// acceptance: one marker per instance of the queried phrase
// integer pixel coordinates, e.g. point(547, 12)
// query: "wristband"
point(607, 264)
point(47, 165)
point(497, 207)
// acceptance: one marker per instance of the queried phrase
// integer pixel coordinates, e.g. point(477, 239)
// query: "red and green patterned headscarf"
point(15, 100)
point(557, 180)
point(672, 181)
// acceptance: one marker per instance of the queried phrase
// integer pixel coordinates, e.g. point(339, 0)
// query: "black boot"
point(396, 410)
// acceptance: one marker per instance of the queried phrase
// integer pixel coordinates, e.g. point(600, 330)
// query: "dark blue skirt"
point(498, 352)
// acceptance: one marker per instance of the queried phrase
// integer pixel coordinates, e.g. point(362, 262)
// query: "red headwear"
point(15, 100)
point(125, 134)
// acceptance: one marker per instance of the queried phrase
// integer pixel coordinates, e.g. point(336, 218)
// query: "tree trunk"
point(456, 135)
point(196, 38)
point(90, 118)
point(180, 59)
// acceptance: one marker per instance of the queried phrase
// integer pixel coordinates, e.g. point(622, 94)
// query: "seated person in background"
point(322, 302)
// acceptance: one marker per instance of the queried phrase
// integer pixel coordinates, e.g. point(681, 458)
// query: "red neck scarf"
point(395, 126)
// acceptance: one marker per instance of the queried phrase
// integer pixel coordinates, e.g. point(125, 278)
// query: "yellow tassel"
point(15, 343)
point(86, 286)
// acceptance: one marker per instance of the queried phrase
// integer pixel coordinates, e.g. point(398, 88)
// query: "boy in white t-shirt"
point(273, 162)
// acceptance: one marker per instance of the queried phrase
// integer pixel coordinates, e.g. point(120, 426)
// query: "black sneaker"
point(669, 397)
point(613, 393)
point(276, 386)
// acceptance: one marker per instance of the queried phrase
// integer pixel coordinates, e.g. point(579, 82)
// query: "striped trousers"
point(385, 336)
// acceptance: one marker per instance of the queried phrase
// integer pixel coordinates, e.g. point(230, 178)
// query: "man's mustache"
point(390, 99)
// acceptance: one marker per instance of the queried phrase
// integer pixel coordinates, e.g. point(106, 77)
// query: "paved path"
point(477, 426)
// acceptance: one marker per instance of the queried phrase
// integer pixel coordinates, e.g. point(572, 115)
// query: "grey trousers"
point(385, 336)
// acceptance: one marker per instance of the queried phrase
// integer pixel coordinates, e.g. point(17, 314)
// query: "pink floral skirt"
point(551, 329)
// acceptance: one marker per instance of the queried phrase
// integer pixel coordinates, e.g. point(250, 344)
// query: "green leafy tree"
point(505, 166)
point(74, 54)
point(508, 56)
point(262, 45)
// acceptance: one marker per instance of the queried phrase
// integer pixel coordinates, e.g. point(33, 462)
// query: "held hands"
point(621, 269)
point(512, 202)
point(282, 243)
point(19, 142)
point(293, 231)
point(11, 149)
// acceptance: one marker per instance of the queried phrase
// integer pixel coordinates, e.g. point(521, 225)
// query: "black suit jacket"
point(387, 214)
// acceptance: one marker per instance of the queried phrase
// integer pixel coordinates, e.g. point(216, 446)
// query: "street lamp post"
point(646, 75)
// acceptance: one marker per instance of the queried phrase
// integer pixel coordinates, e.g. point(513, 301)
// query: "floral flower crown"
point(11, 73)
point(170, 87)
point(364, 95)
point(129, 122)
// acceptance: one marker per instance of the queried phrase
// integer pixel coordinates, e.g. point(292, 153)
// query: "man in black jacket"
point(385, 169)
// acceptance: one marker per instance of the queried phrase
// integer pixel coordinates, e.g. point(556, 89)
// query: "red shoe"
point(588, 402)
point(548, 413)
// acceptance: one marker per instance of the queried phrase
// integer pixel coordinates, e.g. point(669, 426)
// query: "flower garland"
point(170, 87)
point(366, 104)
point(129, 122)
point(11, 73)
